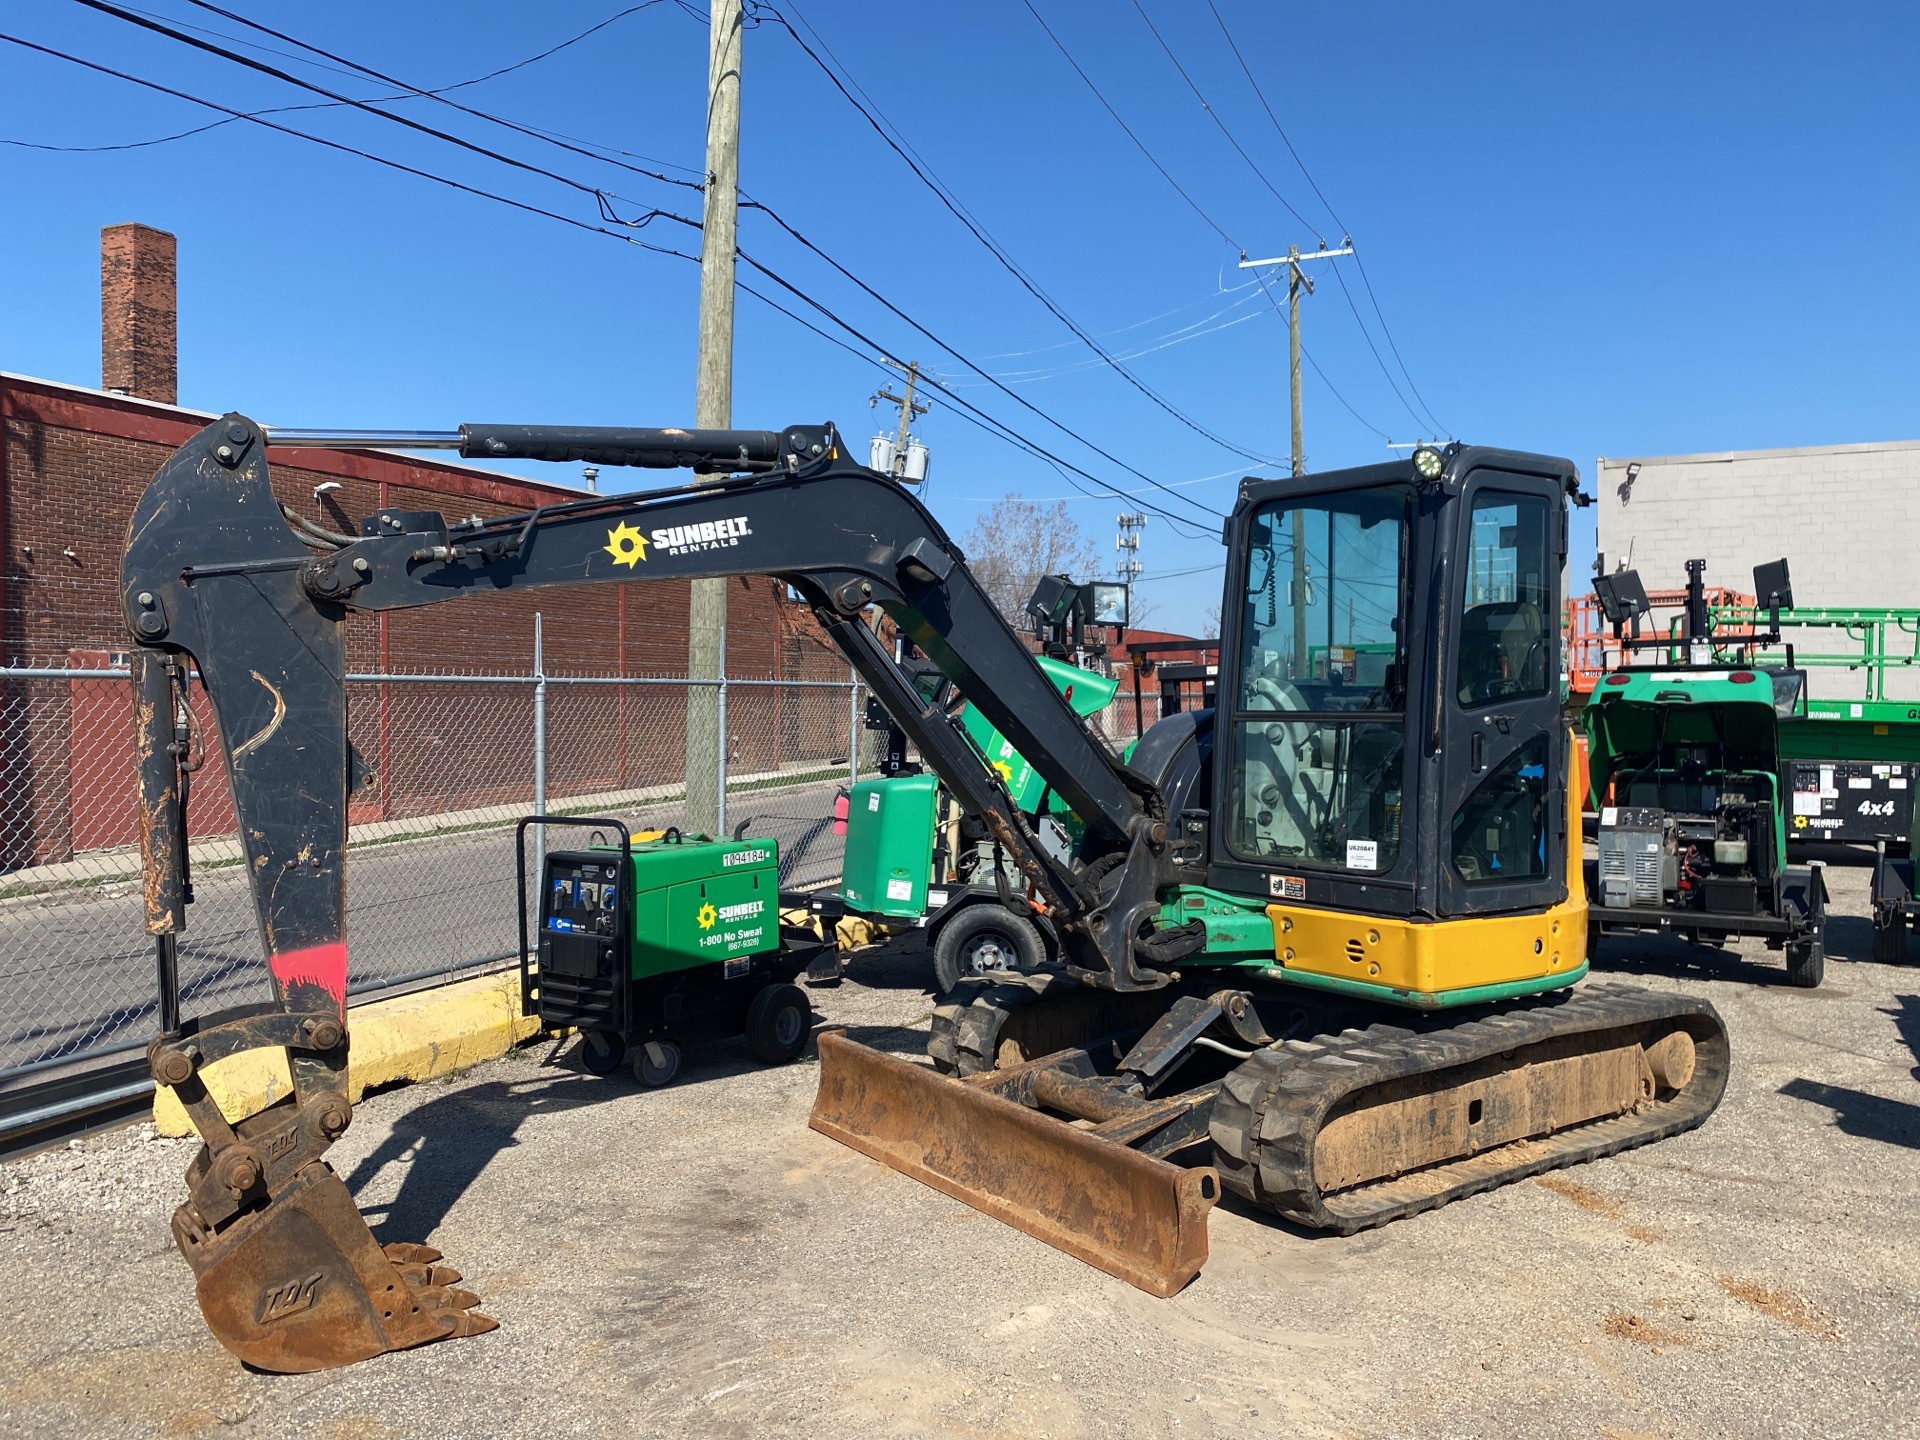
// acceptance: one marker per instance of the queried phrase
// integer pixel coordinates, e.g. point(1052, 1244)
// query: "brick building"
point(73, 462)
point(1843, 515)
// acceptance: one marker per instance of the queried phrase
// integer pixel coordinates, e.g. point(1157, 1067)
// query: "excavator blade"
point(301, 1284)
point(1139, 1219)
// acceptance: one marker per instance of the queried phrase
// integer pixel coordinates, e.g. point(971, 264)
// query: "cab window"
point(1508, 631)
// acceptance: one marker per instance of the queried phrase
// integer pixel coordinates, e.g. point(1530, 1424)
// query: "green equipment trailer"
point(1851, 763)
point(662, 940)
point(1687, 772)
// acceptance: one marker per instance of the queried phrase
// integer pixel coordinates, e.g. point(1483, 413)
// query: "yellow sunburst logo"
point(1006, 772)
point(626, 544)
point(707, 916)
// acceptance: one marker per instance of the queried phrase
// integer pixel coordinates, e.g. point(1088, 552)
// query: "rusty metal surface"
point(302, 1285)
point(1139, 1219)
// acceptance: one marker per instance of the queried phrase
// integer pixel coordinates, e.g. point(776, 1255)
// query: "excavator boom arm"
point(216, 569)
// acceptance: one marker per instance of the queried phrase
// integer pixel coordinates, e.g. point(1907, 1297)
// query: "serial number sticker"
point(1287, 887)
point(873, 800)
point(899, 889)
point(737, 967)
point(1363, 855)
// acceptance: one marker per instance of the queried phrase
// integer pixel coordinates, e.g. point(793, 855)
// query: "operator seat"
point(1502, 650)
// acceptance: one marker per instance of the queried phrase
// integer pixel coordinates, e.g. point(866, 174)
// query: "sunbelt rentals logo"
point(708, 916)
point(628, 546)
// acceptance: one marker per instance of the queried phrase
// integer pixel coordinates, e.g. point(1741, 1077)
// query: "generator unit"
point(915, 858)
point(1687, 778)
point(661, 940)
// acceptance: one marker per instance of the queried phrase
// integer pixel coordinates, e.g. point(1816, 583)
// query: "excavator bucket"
point(301, 1284)
point(1139, 1219)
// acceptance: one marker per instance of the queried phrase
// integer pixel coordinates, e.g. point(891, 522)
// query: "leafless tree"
point(1014, 542)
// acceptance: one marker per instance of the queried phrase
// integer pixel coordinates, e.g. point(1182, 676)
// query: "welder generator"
point(659, 941)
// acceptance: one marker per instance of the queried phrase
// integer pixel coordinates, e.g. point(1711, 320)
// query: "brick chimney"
point(139, 338)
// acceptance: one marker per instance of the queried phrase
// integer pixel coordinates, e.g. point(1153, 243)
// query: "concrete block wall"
point(1846, 517)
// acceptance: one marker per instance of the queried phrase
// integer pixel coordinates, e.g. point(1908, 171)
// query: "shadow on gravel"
point(1871, 1117)
point(447, 1141)
point(903, 963)
point(1677, 960)
point(1906, 1020)
point(903, 1040)
point(451, 1138)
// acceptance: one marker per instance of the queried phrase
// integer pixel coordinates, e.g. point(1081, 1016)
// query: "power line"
point(994, 425)
point(993, 247)
point(1140, 144)
point(1167, 175)
point(943, 389)
point(366, 106)
point(606, 211)
point(362, 154)
point(1287, 204)
point(1358, 260)
point(1214, 116)
point(407, 93)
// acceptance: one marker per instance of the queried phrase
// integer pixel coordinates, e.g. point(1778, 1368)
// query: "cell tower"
point(1127, 542)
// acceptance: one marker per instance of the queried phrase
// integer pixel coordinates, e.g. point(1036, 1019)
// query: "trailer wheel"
point(778, 1023)
point(985, 940)
point(656, 1062)
point(1889, 938)
point(1807, 961)
point(602, 1051)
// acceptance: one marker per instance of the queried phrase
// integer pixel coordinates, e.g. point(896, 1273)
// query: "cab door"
point(1502, 831)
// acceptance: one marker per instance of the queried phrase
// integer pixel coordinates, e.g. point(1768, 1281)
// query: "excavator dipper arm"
point(215, 572)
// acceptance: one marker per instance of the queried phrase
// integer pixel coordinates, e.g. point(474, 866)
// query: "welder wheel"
point(602, 1051)
point(656, 1062)
point(778, 1023)
point(984, 941)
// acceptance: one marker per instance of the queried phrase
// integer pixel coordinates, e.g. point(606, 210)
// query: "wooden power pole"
point(1296, 282)
point(713, 404)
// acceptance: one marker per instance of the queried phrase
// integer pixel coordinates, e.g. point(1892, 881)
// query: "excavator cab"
point(1395, 747)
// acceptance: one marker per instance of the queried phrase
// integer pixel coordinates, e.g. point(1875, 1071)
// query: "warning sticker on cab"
point(1287, 887)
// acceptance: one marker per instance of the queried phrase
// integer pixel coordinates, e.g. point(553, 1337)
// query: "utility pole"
point(713, 404)
point(898, 458)
point(1297, 280)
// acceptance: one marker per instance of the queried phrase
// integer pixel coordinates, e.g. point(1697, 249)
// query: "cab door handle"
point(1477, 752)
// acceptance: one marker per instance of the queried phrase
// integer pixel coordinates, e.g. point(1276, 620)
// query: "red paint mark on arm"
point(322, 965)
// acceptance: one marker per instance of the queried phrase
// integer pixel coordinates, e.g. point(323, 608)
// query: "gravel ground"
point(696, 1261)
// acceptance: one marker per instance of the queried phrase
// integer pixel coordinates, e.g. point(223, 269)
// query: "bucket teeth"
point(423, 1276)
point(300, 1284)
point(456, 1306)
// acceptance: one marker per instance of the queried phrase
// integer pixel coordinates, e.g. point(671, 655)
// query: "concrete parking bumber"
point(694, 1261)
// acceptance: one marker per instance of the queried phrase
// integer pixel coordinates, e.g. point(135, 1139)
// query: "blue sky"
point(1623, 229)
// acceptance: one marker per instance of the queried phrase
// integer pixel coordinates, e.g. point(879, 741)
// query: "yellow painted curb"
point(411, 1037)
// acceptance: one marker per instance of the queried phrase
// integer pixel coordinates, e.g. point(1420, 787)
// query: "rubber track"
point(967, 1020)
point(1268, 1115)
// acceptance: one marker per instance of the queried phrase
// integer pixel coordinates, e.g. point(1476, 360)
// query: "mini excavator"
point(1318, 945)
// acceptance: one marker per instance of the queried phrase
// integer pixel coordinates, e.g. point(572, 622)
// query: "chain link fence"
point(431, 864)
